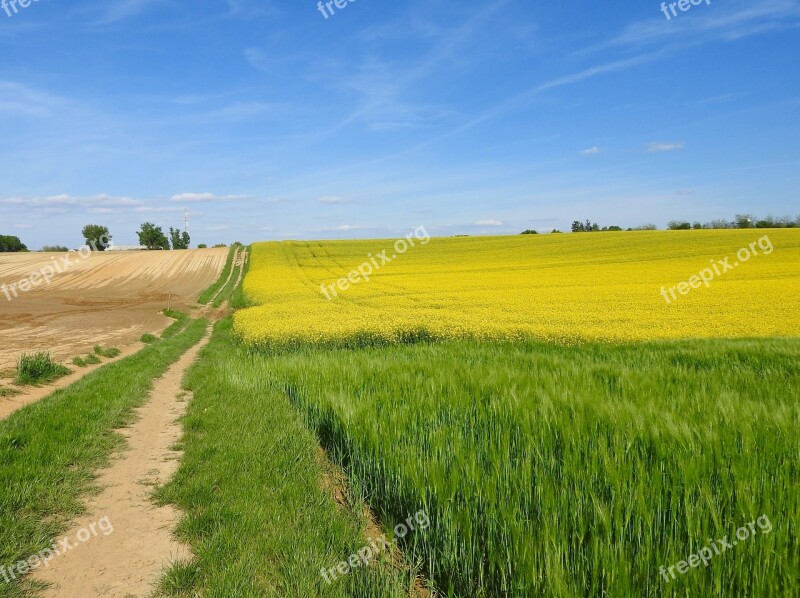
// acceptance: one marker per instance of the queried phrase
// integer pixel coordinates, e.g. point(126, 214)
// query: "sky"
point(272, 121)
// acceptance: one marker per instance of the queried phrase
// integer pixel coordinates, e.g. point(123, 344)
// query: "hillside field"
point(564, 288)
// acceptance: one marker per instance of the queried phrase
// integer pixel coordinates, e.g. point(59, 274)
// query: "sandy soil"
point(108, 298)
point(129, 560)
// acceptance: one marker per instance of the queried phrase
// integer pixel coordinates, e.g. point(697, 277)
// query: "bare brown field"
point(110, 299)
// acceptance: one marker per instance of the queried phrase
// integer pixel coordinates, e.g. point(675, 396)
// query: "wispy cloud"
point(332, 200)
point(745, 20)
point(657, 147)
point(117, 10)
point(590, 151)
point(200, 197)
point(344, 228)
point(489, 223)
point(23, 100)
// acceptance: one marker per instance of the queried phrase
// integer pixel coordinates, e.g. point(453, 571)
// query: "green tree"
point(152, 237)
point(10, 244)
point(744, 221)
point(679, 225)
point(180, 240)
point(96, 236)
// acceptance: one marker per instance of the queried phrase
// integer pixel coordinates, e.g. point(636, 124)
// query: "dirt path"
point(129, 560)
point(227, 280)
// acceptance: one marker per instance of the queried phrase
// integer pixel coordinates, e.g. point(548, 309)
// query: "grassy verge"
point(50, 450)
point(231, 287)
point(568, 471)
point(181, 319)
point(207, 295)
point(250, 484)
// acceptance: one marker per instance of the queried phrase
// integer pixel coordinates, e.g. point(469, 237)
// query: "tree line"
point(98, 237)
point(739, 221)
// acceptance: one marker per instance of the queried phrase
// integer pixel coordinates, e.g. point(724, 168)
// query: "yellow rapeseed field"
point(567, 288)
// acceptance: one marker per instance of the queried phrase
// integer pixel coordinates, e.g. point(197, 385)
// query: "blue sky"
point(269, 121)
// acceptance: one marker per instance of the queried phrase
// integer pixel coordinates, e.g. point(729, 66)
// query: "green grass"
point(5, 391)
point(38, 368)
point(564, 471)
point(209, 293)
point(108, 353)
point(181, 320)
point(250, 485)
point(50, 450)
point(148, 338)
point(231, 288)
point(90, 359)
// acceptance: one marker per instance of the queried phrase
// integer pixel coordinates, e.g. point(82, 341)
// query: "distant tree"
point(744, 221)
point(55, 249)
point(529, 232)
point(152, 237)
point(219, 245)
point(11, 244)
point(202, 246)
point(96, 236)
point(645, 227)
point(585, 227)
point(555, 232)
point(679, 225)
point(180, 240)
point(697, 226)
point(718, 223)
point(614, 229)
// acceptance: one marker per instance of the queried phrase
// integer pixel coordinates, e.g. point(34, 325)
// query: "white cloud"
point(196, 197)
point(656, 147)
point(344, 228)
point(489, 223)
point(590, 151)
point(332, 200)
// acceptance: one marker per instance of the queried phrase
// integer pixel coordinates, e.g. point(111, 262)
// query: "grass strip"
point(250, 484)
point(50, 450)
point(238, 298)
point(181, 319)
point(232, 285)
point(207, 295)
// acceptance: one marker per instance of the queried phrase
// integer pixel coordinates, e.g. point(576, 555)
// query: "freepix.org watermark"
point(57, 548)
point(368, 268)
point(683, 6)
point(45, 274)
point(362, 558)
point(720, 267)
point(340, 4)
point(15, 5)
point(705, 554)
